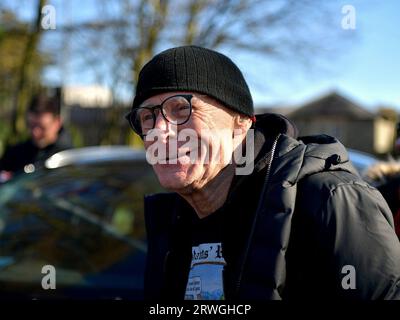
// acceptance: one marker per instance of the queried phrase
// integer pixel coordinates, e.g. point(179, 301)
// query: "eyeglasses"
point(176, 110)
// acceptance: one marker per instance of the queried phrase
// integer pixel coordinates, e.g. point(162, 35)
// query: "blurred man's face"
point(43, 128)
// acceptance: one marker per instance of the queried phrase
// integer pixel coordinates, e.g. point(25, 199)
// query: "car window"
point(361, 160)
point(87, 221)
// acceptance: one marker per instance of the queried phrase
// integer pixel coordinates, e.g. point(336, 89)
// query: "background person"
point(385, 176)
point(47, 137)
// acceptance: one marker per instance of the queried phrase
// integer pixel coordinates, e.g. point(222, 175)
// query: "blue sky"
point(366, 70)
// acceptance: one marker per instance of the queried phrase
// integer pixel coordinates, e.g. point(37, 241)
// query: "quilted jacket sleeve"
point(356, 229)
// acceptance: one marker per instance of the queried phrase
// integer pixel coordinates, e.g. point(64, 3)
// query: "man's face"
point(209, 130)
point(43, 128)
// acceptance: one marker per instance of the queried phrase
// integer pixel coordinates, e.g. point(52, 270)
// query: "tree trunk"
point(22, 92)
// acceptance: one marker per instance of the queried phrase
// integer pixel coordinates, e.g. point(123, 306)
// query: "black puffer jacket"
point(317, 225)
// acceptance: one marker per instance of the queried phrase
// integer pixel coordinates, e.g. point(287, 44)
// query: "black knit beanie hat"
point(192, 68)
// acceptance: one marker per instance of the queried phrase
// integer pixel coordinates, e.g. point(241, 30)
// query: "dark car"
point(83, 215)
point(361, 160)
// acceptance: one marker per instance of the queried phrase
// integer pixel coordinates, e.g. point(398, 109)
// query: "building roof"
point(280, 110)
point(332, 104)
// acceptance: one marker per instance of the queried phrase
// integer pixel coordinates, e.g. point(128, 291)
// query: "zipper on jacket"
point(259, 208)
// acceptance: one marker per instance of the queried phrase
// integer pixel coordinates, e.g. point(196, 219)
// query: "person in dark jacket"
point(283, 218)
point(385, 176)
point(47, 137)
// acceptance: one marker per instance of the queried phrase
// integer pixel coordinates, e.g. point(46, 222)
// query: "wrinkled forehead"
point(159, 98)
point(198, 97)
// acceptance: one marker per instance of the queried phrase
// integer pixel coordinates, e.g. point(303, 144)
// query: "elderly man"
point(299, 224)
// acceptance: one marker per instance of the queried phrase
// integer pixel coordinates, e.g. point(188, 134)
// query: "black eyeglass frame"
point(152, 109)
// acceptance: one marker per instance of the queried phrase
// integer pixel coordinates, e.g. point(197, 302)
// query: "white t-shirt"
point(205, 280)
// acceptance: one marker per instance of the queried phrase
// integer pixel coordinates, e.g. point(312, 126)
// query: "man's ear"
point(242, 122)
point(59, 121)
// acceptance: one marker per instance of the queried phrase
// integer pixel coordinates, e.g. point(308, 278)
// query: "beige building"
point(352, 124)
point(87, 96)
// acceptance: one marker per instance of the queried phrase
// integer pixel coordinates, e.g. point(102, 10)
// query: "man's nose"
point(160, 122)
point(36, 132)
point(163, 124)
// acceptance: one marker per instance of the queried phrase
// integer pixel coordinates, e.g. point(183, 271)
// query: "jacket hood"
point(296, 158)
